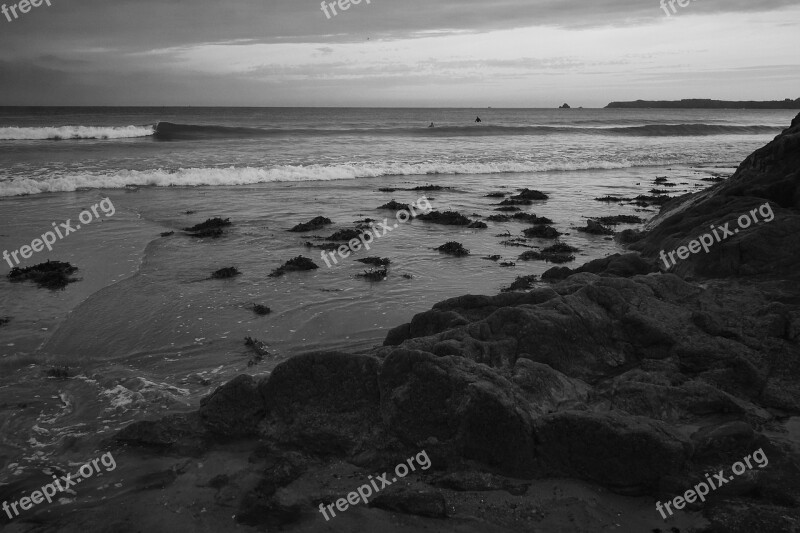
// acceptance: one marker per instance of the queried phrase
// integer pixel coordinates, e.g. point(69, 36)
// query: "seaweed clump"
point(529, 194)
point(225, 273)
point(595, 228)
point(210, 228)
point(4, 320)
point(541, 232)
point(292, 265)
point(453, 248)
point(259, 350)
point(51, 275)
point(619, 219)
point(374, 274)
point(375, 261)
point(395, 206)
point(261, 309)
point(313, 224)
point(345, 235)
point(531, 218)
point(448, 218)
point(516, 201)
point(58, 372)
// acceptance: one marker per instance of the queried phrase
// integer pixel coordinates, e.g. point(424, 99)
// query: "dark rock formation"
point(298, 263)
point(51, 275)
point(313, 224)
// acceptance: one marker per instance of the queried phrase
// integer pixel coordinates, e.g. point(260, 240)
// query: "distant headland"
point(706, 104)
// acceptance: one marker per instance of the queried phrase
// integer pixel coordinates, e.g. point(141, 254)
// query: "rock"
point(478, 413)
point(626, 265)
point(299, 263)
point(323, 402)
point(313, 224)
point(595, 228)
point(541, 232)
point(630, 454)
point(546, 389)
point(51, 275)
point(450, 218)
point(415, 502)
point(235, 409)
point(530, 194)
point(478, 482)
point(180, 433)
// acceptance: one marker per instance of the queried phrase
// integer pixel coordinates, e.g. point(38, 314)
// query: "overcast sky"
point(472, 53)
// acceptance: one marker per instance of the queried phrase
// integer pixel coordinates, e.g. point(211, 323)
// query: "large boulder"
point(465, 405)
point(325, 402)
point(629, 454)
point(235, 409)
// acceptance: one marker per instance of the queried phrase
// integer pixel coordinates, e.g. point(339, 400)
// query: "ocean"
point(146, 331)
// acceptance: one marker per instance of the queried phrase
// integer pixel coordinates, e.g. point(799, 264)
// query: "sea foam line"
point(74, 132)
point(188, 177)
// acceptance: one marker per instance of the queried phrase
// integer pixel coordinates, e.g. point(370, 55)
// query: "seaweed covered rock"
point(51, 275)
point(595, 228)
point(344, 235)
point(296, 264)
point(449, 218)
point(225, 273)
point(541, 232)
point(529, 194)
point(395, 206)
point(212, 227)
point(453, 248)
point(313, 224)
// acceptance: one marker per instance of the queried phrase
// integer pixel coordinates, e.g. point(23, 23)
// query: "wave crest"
point(188, 177)
point(75, 132)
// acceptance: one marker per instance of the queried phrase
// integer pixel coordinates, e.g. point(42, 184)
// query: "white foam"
point(187, 177)
point(75, 132)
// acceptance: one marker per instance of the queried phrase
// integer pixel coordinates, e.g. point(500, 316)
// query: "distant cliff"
point(706, 104)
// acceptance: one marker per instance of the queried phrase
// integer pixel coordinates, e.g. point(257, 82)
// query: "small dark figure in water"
point(478, 119)
point(431, 126)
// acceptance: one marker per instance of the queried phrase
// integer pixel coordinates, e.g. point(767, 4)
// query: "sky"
point(397, 53)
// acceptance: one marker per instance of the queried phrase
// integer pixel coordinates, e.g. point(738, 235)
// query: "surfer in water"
point(478, 119)
point(431, 126)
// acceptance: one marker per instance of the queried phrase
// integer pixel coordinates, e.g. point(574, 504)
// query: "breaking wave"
point(75, 132)
point(187, 177)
